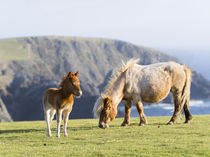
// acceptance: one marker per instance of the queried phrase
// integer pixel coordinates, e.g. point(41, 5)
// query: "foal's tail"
point(186, 89)
point(44, 100)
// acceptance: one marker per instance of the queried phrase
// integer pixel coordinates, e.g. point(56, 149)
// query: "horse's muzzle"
point(78, 94)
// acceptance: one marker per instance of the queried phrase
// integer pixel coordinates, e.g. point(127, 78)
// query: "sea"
point(197, 107)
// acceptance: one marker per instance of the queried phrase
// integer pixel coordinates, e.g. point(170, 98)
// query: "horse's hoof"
point(125, 124)
point(170, 123)
point(48, 135)
point(58, 136)
point(187, 121)
point(65, 135)
point(142, 123)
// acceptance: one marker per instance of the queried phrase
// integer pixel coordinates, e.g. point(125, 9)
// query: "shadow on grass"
point(93, 127)
point(44, 129)
point(149, 124)
point(83, 128)
point(158, 124)
point(9, 138)
point(20, 131)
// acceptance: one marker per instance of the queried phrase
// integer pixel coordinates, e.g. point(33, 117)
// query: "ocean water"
point(197, 107)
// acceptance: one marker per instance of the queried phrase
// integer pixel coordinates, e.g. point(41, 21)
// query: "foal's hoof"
point(48, 135)
point(187, 121)
point(125, 124)
point(170, 123)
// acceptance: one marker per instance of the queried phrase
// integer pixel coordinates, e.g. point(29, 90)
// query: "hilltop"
point(30, 65)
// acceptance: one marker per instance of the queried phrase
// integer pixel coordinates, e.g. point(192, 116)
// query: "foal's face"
point(73, 83)
point(107, 114)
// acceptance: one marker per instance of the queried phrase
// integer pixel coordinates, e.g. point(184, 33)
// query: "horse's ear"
point(103, 96)
point(70, 74)
point(76, 74)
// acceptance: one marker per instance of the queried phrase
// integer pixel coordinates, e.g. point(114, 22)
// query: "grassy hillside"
point(86, 139)
point(31, 65)
point(12, 49)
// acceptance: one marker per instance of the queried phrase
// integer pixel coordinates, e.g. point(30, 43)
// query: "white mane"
point(98, 107)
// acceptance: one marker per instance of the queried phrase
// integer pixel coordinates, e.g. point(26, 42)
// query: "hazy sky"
point(169, 24)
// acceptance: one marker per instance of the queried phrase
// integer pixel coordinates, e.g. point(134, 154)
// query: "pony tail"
point(186, 90)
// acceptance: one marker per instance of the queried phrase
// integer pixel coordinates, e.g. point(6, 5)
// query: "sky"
point(180, 28)
point(163, 24)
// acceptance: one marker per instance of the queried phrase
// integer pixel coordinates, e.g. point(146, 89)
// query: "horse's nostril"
point(78, 94)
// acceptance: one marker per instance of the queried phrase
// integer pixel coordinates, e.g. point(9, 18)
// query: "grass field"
point(86, 139)
point(11, 49)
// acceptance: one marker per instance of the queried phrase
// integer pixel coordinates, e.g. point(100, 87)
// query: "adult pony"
point(144, 83)
point(60, 101)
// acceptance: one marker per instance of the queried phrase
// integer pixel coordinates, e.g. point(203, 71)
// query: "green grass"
point(86, 139)
point(12, 49)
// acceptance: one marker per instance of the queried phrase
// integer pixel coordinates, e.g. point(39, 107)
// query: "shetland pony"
point(60, 101)
point(145, 83)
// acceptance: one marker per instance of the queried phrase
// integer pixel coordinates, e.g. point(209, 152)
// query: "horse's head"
point(72, 83)
point(108, 113)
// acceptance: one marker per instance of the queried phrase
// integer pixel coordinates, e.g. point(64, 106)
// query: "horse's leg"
point(177, 107)
point(188, 115)
point(128, 105)
point(47, 119)
point(52, 114)
point(65, 121)
point(143, 119)
point(58, 119)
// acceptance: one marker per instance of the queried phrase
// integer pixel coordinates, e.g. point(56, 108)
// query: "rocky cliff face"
point(4, 115)
point(32, 65)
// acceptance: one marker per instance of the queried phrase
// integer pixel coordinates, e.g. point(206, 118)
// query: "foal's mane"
point(62, 81)
point(98, 107)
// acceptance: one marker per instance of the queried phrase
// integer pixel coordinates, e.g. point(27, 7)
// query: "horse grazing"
point(60, 101)
point(144, 83)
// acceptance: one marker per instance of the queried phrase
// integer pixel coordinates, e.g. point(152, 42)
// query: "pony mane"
point(98, 107)
point(124, 67)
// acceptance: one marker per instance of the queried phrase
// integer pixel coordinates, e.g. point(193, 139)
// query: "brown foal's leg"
point(143, 119)
point(128, 105)
point(47, 119)
point(65, 121)
point(52, 114)
point(58, 119)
